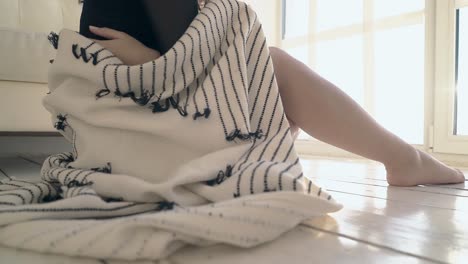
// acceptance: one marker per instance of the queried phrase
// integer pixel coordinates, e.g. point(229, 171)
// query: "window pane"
point(387, 8)
point(300, 53)
point(341, 62)
point(399, 80)
point(462, 84)
point(336, 13)
point(296, 18)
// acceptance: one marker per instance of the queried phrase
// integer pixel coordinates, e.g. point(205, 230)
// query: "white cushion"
point(24, 56)
point(40, 15)
point(25, 51)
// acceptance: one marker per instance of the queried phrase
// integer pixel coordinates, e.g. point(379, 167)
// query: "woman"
point(319, 108)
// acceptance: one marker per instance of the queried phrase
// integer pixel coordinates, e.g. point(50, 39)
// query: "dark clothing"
point(157, 24)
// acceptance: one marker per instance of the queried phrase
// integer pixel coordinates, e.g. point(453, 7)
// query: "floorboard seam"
point(30, 160)
point(403, 188)
point(5, 174)
point(374, 244)
point(396, 201)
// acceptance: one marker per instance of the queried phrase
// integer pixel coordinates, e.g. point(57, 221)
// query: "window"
point(402, 60)
point(461, 79)
point(451, 83)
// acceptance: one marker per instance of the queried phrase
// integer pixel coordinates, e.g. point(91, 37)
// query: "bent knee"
point(277, 55)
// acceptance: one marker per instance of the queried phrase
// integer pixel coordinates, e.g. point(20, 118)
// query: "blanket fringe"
point(206, 113)
point(236, 134)
point(107, 169)
point(61, 124)
point(83, 54)
point(53, 39)
point(222, 176)
point(159, 107)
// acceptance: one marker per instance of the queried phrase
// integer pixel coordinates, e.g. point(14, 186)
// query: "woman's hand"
point(129, 50)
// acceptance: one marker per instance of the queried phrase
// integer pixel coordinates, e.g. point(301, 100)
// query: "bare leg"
point(325, 112)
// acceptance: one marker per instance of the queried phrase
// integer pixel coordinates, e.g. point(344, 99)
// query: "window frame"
point(445, 86)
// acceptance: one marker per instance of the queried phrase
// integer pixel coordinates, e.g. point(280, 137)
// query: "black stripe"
point(226, 97)
point(217, 104)
point(65, 180)
point(274, 116)
point(260, 87)
point(142, 89)
point(193, 68)
point(235, 43)
point(174, 72)
point(217, 28)
point(233, 86)
point(246, 155)
point(117, 88)
point(289, 152)
point(268, 144)
point(254, 43)
point(280, 177)
point(90, 45)
point(238, 194)
point(222, 21)
point(75, 150)
point(14, 194)
point(62, 210)
point(296, 179)
point(254, 146)
point(264, 105)
point(265, 177)
point(183, 63)
point(248, 14)
point(153, 82)
point(164, 80)
point(252, 176)
point(10, 184)
point(129, 82)
point(209, 50)
point(85, 178)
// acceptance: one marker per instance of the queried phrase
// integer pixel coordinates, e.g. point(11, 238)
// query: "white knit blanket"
point(191, 148)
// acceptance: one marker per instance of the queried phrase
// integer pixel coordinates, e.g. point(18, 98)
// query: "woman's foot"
point(422, 169)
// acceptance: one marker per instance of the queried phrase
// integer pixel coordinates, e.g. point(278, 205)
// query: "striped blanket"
point(191, 148)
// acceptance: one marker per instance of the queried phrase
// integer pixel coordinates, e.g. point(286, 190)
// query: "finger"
point(107, 33)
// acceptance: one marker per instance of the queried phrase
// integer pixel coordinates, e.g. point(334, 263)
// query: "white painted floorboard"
point(380, 224)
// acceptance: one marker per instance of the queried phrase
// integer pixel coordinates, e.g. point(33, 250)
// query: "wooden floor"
point(379, 224)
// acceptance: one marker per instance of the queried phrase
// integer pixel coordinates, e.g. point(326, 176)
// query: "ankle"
point(409, 157)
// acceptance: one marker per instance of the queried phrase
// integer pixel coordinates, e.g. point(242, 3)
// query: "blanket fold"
point(191, 148)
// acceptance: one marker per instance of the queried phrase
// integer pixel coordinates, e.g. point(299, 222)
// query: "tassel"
point(222, 176)
point(75, 183)
point(107, 169)
point(205, 114)
point(61, 124)
point(53, 39)
point(102, 93)
point(165, 206)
